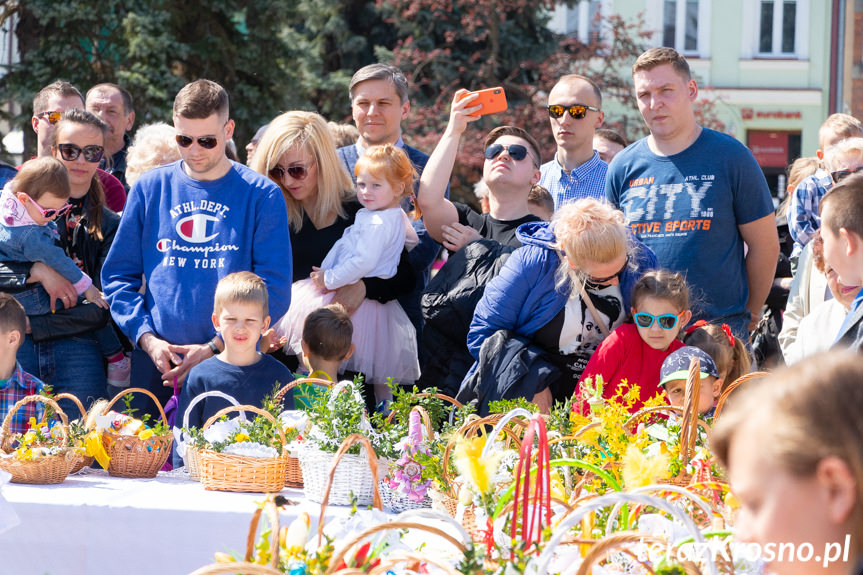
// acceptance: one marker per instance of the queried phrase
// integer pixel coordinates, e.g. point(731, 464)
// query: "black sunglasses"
point(840, 175)
point(52, 117)
point(70, 152)
point(577, 111)
point(593, 282)
point(296, 172)
point(206, 142)
point(516, 151)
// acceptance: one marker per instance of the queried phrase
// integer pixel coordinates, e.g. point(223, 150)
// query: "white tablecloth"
point(93, 523)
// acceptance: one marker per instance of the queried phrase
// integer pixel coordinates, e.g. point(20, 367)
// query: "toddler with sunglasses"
point(384, 338)
point(635, 351)
point(29, 204)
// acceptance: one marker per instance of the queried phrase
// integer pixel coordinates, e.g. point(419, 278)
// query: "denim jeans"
point(109, 343)
point(69, 365)
point(36, 300)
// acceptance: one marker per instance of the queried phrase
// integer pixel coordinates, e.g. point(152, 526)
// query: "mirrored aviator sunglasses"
point(296, 172)
point(577, 111)
point(206, 142)
point(665, 321)
point(70, 152)
point(516, 151)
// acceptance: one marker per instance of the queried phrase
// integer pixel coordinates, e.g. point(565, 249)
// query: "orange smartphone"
point(493, 100)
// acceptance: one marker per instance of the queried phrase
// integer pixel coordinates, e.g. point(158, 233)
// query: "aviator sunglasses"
point(296, 172)
point(665, 321)
point(206, 142)
point(577, 111)
point(70, 152)
point(516, 151)
point(51, 213)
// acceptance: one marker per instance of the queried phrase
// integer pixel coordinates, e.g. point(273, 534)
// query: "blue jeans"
point(69, 365)
point(146, 376)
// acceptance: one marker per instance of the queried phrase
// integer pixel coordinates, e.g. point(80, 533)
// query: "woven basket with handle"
point(294, 473)
point(42, 470)
point(132, 456)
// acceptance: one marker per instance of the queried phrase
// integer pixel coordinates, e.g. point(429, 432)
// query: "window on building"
point(777, 28)
point(680, 25)
point(581, 20)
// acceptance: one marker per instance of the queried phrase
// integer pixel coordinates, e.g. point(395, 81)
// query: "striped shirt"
point(585, 181)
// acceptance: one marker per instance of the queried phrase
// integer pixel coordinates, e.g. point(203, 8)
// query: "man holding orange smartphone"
point(575, 112)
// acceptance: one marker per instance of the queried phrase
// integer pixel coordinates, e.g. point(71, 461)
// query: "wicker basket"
point(723, 397)
point(47, 470)
point(191, 455)
point(230, 472)
point(394, 501)
point(81, 460)
point(246, 567)
point(331, 478)
point(294, 473)
point(132, 456)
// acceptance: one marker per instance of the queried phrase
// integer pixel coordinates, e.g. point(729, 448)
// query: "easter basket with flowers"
point(42, 455)
point(127, 446)
point(292, 424)
point(247, 456)
point(77, 434)
point(190, 441)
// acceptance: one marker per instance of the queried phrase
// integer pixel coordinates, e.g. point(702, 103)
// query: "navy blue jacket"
point(524, 296)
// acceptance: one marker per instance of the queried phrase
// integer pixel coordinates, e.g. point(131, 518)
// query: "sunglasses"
point(516, 151)
point(593, 282)
point(296, 172)
point(70, 152)
point(51, 213)
point(577, 111)
point(840, 175)
point(665, 321)
point(206, 142)
point(52, 117)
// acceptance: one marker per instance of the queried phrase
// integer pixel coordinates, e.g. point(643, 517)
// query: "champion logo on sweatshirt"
point(197, 228)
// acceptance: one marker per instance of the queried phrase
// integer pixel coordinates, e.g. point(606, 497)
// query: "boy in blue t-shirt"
point(241, 371)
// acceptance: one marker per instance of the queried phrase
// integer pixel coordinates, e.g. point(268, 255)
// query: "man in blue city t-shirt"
point(695, 196)
point(186, 226)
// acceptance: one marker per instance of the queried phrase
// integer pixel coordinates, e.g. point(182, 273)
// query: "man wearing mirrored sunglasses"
point(695, 197)
point(114, 106)
point(48, 107)
point(186, 226)
point(575, 112)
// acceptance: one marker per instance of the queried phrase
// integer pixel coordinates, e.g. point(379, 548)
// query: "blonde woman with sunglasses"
point(562, 293)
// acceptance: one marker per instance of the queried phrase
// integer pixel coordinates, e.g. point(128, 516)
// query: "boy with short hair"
point(240, 370)
point(15, 383)
point(327, 334)
point(540, 203)
point(803, 219)
point(675, 371)
point(842, 232)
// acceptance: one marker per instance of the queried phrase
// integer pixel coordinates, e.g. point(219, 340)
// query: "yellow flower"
point(241, 437)
point(145, 434)
point(477, 471)
point(640, 470)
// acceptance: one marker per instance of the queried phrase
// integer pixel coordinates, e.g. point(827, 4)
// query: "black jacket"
point(509, 366)
point(448, 303)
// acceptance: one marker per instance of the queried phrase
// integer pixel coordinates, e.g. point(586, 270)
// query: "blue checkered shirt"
point(585, 181)
point(803, 218)
point(17, 387)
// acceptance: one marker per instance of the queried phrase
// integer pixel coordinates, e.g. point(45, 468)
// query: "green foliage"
point(338, 416)
point(507, 405)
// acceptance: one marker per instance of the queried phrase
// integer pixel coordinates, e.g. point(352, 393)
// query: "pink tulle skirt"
point(385, 342)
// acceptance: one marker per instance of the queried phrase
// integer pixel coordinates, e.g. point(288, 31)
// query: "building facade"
point(764, 64)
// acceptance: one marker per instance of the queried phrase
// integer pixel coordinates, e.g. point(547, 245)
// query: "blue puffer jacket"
point(523, 297)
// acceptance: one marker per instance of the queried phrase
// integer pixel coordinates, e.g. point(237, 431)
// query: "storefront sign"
point(769, 148)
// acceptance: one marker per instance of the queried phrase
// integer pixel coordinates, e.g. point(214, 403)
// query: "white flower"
point(221, 430)
point(249, 449)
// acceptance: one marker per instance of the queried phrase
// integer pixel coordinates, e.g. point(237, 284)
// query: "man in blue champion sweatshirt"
point(186, 226)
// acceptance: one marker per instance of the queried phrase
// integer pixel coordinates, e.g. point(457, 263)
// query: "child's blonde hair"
point(847, 148)
point(241, 287)
point(588, 231)
point(729, 353)
point(391, 164)
point(803, 414)
point(40, 176)
point(154, 145)
point(328, 332)
point(842, 125)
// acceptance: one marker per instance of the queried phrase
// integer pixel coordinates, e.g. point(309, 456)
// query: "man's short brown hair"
point(12, 316)
point(60, 88)
point(659, 56)
point(848, 212)
point(40, 176)
point(201, 99)
point(541, 197)
point(328, 332)
point(501, 131)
